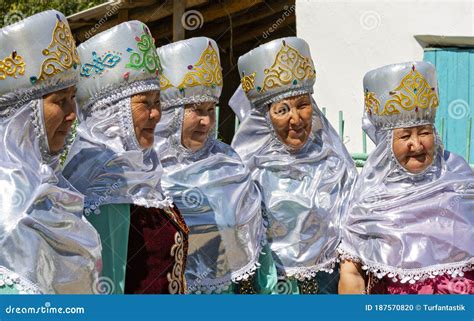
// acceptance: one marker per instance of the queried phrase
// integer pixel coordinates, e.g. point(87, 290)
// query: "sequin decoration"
point(12, 66)
point(147, 59)
point(206, 72)
point(98, 64)
point(61, 53)
point(289, 65)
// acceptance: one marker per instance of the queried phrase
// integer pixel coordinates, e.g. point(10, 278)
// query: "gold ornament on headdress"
point(11, 66)
point(372, 104)
point(206, 72)
point(61, 53)
point(413, 92)
point(289, 67)
point(165, 83)
point(248, 82)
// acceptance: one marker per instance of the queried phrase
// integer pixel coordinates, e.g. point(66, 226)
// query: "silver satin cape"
point(304, 191)
point(47, 245)
point(411, 226)
point(220, 204)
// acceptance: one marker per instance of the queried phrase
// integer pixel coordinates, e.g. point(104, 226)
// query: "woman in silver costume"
point(207, 179)
point(112, 162)
point(298, 162)
point(47, 246)
point(410, 224)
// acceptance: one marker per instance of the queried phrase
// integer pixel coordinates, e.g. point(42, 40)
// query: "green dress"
point(113, 225)
point(7, 287)
point(11, 283)
point(263, 281)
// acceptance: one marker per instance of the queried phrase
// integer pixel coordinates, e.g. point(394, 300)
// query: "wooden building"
point(236, 26)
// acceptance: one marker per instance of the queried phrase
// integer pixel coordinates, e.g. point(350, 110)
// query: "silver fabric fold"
point(47, 245)
point(240, 104)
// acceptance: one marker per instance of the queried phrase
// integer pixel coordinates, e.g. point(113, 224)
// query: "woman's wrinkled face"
point(146, 113)
point(414, 147)
point(199, 119)
point(292, 120)
point(59, 110)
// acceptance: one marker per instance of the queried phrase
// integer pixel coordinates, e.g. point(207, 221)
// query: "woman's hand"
point(351, 280)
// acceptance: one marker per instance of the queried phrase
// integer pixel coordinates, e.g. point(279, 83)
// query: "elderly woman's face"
point(146, 113)
point(59, 110)
point(414, 147)
point(291, 119)
point(199, 119)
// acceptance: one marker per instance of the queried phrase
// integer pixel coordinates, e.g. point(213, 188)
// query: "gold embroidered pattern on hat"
point(289, 67)
point(413, 92)
point(165, 83)
point(61, 52)
point(372, 104)
point(206, 72)
point(12, 66)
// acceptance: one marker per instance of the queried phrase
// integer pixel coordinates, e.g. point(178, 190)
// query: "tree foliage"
point(13, 11)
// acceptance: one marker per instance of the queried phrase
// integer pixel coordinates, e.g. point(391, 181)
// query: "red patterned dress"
point(157, 251)
point(441, 284)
